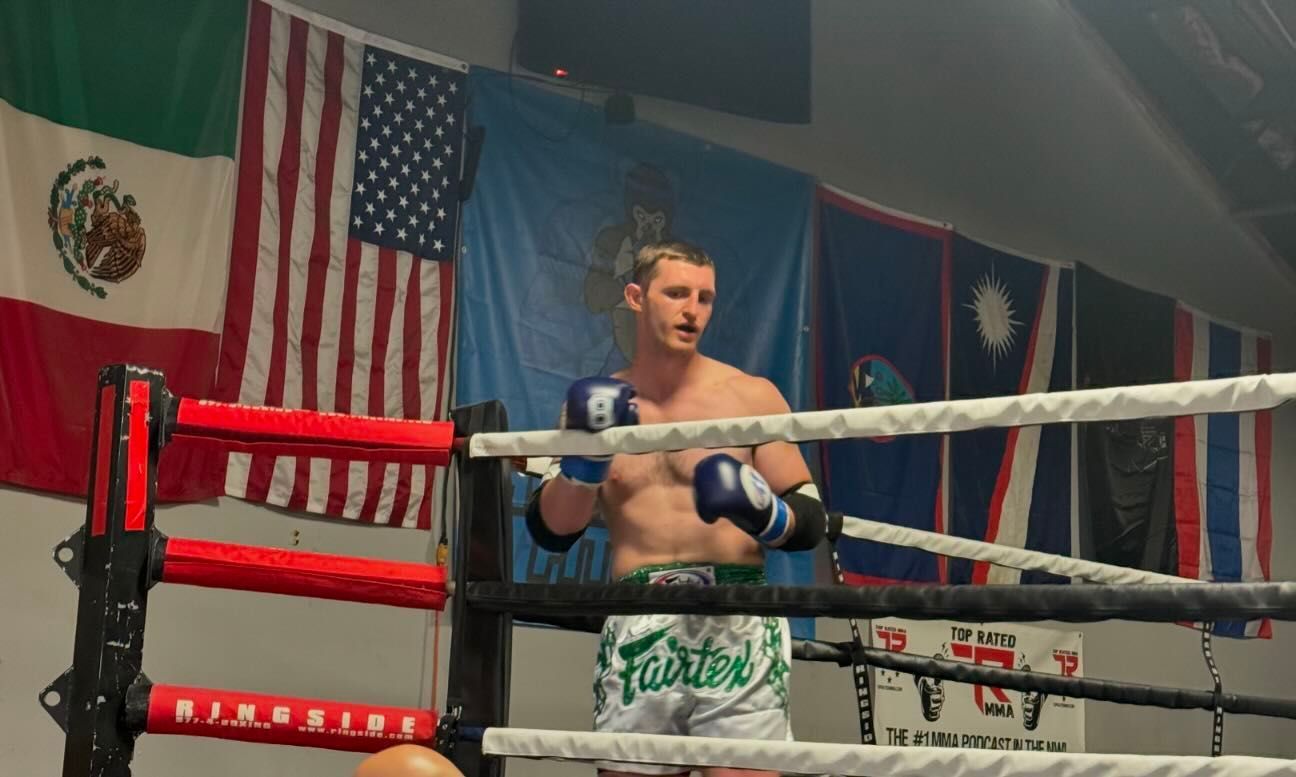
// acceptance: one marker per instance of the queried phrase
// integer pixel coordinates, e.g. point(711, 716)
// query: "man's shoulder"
point(757, 394)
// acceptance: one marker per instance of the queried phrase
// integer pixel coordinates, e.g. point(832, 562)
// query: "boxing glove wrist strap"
point(583, 471)
point(778, 524)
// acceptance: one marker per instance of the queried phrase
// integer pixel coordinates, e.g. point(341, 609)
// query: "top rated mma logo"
point(893, 638)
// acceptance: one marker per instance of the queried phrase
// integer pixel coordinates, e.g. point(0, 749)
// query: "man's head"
point(672, 294)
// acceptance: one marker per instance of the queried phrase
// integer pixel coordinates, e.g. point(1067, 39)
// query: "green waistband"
point(725, 574)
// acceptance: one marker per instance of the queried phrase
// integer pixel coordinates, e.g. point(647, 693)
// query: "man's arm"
point(780, 463)
point(563, 506)
point(566, 507)
point(775, 500)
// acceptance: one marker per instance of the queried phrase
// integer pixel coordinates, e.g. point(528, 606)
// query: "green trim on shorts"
point(726, 574)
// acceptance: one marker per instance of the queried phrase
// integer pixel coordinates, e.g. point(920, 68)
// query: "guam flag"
point(1011, 332)
point(880, 291)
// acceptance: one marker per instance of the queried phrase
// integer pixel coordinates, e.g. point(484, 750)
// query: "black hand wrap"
point(812, 521)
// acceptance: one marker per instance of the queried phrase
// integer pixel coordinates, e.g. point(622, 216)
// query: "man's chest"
point(631, 473)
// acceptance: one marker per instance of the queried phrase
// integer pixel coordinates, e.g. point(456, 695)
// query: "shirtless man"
point(713, 676)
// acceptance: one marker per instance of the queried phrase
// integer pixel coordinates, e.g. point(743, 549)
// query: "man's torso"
point(647, 500)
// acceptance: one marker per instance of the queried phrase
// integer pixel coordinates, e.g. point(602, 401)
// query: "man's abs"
point(648, 505)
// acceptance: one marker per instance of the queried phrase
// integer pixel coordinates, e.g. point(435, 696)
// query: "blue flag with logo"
point(1011, 332)
point(561, 203)
point(881, 329)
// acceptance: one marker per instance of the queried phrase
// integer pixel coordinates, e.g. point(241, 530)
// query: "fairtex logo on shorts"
point(700, 667)
point(685, 575)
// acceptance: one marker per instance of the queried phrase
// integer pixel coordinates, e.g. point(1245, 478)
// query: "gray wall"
point(999, 116)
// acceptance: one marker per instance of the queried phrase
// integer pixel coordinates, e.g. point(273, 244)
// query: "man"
point(691, 675)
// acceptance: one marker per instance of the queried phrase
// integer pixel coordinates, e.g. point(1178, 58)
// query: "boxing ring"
point(104, 702)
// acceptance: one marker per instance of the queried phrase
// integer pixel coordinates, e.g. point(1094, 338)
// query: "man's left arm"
point(774, 499)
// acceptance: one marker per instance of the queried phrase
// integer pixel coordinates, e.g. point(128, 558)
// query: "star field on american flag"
point(409, 145)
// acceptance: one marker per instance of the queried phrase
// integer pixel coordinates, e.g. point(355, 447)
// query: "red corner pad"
point(271, 430)
point(300, 573)
point(285, 720)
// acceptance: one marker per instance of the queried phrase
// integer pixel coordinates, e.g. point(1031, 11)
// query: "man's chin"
point(676, 348)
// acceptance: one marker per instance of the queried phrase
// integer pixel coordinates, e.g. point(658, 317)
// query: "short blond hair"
point(645, 263)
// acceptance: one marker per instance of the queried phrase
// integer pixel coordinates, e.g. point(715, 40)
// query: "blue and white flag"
point(1011, 332)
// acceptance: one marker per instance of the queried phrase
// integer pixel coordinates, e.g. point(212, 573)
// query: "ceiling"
point(1223, 75)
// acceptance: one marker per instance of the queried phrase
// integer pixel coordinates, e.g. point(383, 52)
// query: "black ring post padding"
point(1079, 603)
point(135, 711)
point(170, 416)
point(481, 642)
point(112, 604)
point(157, 557)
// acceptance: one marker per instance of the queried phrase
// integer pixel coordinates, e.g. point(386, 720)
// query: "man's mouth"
point(690, 329)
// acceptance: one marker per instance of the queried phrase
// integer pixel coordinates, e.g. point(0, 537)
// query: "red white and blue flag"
point(1222, 495)
point(341, 279)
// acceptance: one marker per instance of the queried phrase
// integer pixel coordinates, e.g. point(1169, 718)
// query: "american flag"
point(340, 295)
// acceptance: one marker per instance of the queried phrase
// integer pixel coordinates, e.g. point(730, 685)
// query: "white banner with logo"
point(922, 711)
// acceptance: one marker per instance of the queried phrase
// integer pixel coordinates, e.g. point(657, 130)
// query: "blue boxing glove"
point(724, 487)
point(595, 404)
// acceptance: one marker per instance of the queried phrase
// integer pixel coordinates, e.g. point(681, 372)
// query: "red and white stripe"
point(314, 319)
point(1192, 361)
point(1192, 447)
point(1011, 502)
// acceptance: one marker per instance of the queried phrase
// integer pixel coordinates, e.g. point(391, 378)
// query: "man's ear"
point(634, 296)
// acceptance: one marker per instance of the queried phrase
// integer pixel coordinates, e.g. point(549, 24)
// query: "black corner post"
point(113, 573)
point(477, 689)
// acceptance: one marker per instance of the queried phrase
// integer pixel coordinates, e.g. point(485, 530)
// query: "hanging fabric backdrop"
point(561, 202)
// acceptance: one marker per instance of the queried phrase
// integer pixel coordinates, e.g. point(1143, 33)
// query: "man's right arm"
point(559, 511)
point(563, 506)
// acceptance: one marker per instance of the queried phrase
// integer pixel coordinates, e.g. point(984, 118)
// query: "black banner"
point(1125, 336)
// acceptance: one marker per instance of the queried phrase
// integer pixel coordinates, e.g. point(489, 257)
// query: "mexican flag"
point(118, 124)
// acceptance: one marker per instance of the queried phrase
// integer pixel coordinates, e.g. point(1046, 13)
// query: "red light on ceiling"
point(560, 72)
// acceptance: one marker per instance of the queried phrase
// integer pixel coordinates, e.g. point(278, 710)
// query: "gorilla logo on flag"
point(649, 210)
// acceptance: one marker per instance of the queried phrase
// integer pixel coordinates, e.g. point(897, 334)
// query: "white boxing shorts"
point(693, 675)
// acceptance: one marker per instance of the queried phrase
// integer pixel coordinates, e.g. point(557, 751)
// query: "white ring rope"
point(1002, 555)
point(1222, 395)
point(859, 760)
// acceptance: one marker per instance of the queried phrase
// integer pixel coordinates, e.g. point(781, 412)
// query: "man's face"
point(677, 304)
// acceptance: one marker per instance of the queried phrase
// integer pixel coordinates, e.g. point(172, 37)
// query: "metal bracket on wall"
point(54, 697)
point(68, 554)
